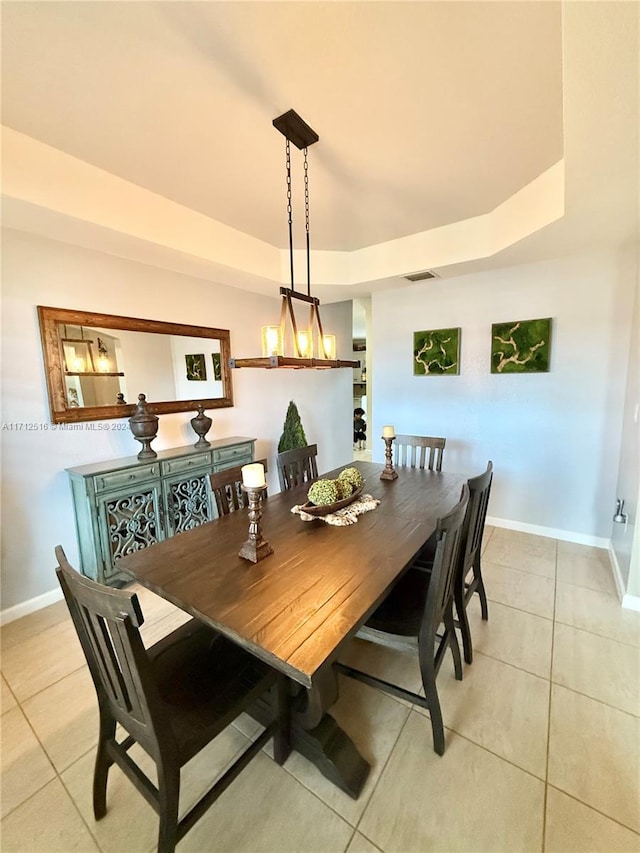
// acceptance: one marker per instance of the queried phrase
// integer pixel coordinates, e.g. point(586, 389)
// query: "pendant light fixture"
point(274, 338)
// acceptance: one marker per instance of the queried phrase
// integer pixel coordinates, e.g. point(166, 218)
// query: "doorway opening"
point(362, 383)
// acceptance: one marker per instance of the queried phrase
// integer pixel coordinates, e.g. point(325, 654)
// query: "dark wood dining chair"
point(410, 617)
point(226, 491)
point(297, 466)
point(468, 578)
point(172, 699)
point(411, 451)
point(469, 573)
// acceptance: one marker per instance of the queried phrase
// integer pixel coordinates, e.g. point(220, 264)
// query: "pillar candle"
point(253, 476)
point(388, 432)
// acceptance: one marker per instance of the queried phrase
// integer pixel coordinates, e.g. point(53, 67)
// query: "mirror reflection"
point(97, 364)
point(104, 367)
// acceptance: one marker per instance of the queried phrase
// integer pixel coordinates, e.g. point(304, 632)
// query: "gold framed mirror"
point(97, 364)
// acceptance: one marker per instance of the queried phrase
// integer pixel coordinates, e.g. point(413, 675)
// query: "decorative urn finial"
point(201, 425)
point(144, 426)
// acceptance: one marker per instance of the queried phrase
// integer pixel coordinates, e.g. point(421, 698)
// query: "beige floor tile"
point(373, 721)
point(466, 800)
point(154, 630)
point(486, 536)
point(530, 541)
point(572, 827)
point(499, 707)
point(25, 766)
point(585, 566)
point(47, 823)
point(130, 823)
point(588, 551)
point(33, 624)
point(8, 700)
point(523, 590)
point(596, 612)
point(65, 718)
point(512, 636)
point(41, 660)
point(247, 726)
point(266, 809)
point(598, 667)
point(401, 668)
point(594, 755)
point(535, 554)
point(360, 844)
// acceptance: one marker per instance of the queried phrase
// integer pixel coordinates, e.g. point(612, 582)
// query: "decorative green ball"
point(344, 487)
point(323, 492)
point(353, 477)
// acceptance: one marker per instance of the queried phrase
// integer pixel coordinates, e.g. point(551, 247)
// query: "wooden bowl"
point(312, 509)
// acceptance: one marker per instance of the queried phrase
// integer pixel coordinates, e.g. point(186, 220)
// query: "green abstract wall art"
point(521, 346)
point(436, 352)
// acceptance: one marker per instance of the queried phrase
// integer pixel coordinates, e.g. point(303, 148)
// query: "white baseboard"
point(617, 574)
point(631, 602)
point(550, 532)
point(30, 606)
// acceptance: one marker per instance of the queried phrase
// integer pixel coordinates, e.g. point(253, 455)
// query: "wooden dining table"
point(297, 608)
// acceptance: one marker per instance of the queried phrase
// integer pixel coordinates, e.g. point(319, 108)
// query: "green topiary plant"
point(293, 433)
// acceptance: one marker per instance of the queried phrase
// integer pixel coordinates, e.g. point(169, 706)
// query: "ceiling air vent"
point(421, 276)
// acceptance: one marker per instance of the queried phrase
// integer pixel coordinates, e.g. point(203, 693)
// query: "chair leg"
point(465, 628)
point(102, 765)
point(477, 574)
point(450, 628)
point(168, 802)
point(428, 672)
point(282, 705)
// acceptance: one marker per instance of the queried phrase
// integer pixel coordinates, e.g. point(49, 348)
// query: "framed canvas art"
point(436, 352)
point(196, 367)
point(521, 346)
point(217, 368)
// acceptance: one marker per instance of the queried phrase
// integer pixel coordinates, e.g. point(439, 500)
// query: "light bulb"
point(305, 344)
point(271, 341)
point(328, 347)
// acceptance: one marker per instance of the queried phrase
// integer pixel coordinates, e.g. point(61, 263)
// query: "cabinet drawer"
point(232, 455)
point(116, 479)
point(176, 466)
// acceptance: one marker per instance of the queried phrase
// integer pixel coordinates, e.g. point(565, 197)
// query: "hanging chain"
point(289, 212)
point(306, 218)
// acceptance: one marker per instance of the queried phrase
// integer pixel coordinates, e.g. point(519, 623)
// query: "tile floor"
point(543, 735)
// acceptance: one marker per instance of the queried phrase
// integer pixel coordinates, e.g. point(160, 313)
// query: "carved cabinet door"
point(187, 501)
point(129, 521)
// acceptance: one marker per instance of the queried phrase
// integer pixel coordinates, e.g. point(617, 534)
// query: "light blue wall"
point(554, 437)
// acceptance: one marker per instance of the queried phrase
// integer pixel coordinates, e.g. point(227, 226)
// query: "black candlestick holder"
point(255, 548)
point(389, 472)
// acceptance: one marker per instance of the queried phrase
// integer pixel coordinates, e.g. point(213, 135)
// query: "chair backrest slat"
point(225, 487)
point(479, 492)
point(107, 622)
point(297, 466)
point(421, 443)
point(449, 535)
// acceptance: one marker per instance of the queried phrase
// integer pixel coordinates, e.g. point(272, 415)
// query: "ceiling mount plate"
point(295, 129)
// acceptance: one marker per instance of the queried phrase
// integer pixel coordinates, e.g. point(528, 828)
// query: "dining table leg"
point(316, 734)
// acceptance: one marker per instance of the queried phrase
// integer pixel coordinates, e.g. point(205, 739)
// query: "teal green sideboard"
point(125, 504)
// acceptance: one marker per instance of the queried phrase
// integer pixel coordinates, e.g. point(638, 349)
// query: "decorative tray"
point(312, 509)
